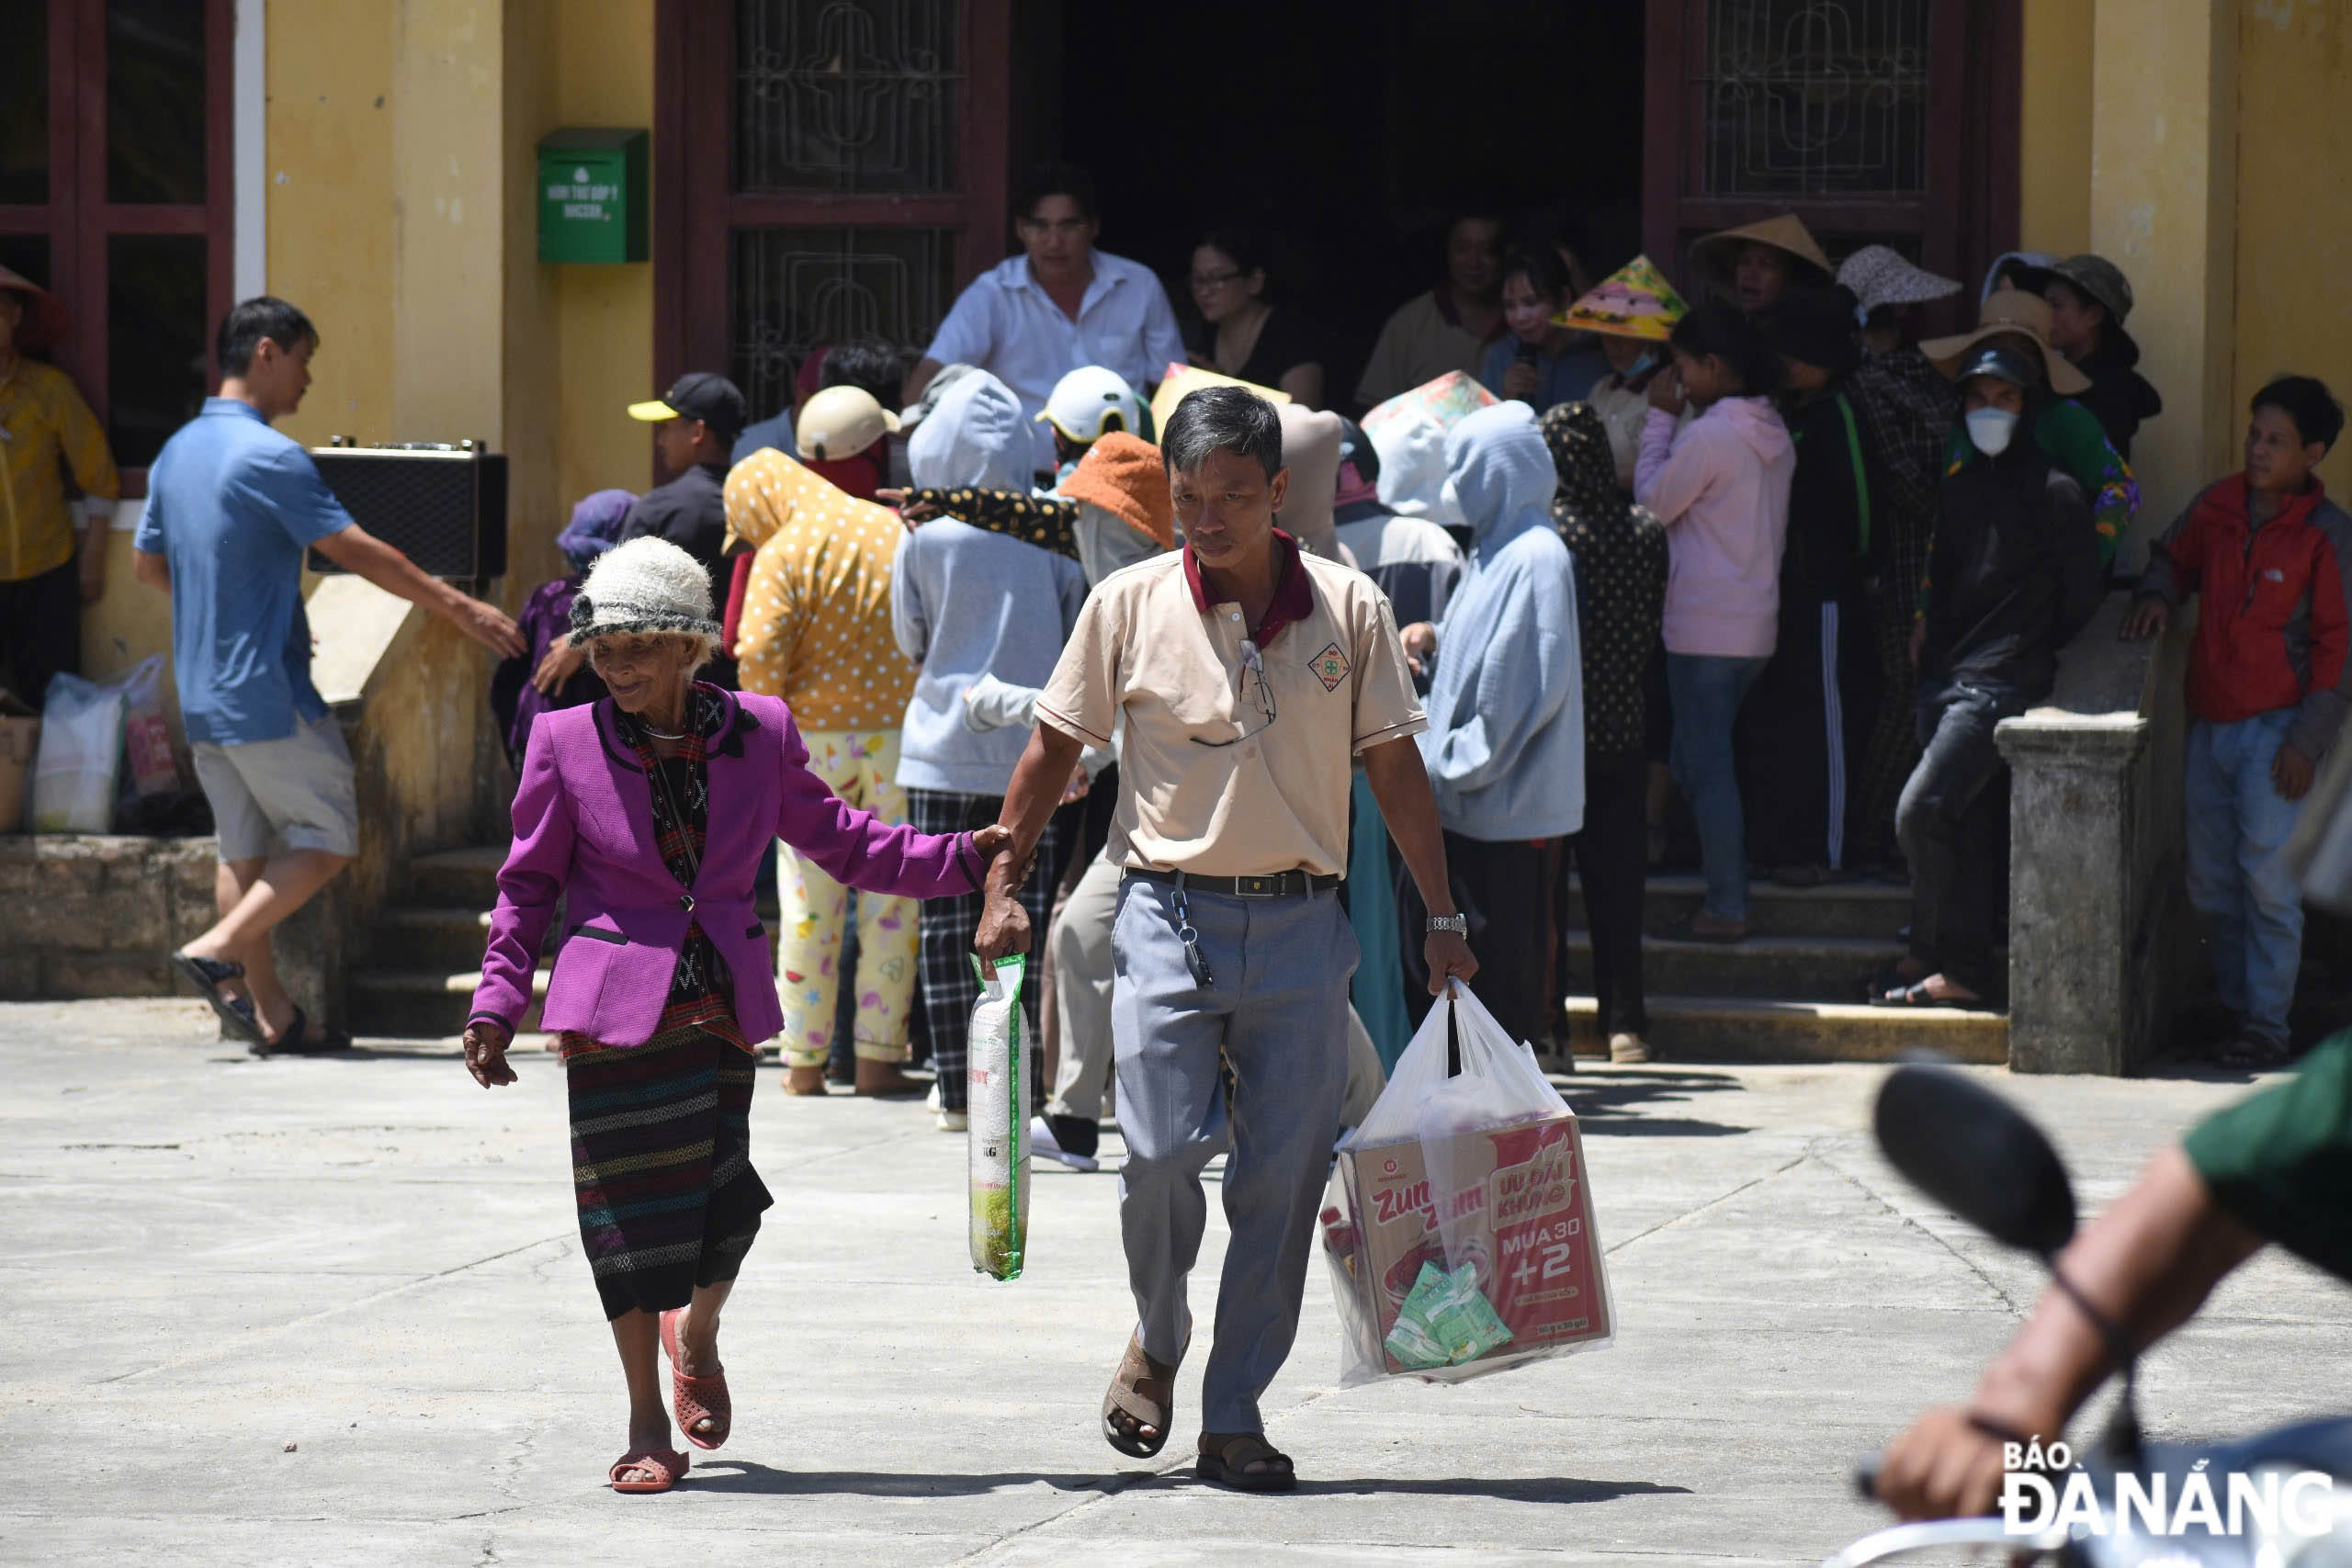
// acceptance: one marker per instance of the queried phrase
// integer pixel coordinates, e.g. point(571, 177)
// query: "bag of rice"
point(1000, 1124)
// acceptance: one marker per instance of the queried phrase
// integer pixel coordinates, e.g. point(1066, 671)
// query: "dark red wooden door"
point(1886, 120)
point(824, 169)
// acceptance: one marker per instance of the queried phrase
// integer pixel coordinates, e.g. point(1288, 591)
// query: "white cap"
point(1086, 400)
point(841, 421)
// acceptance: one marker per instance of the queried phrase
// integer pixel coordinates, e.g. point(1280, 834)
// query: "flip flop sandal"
point(205, 975)
point(294, 1042)
point(1226, 1458)
point(695, 1399)
point(666, 1464)
point(1124, 1397)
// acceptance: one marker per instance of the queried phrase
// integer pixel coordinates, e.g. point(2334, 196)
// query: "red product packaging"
point(1490, 1179)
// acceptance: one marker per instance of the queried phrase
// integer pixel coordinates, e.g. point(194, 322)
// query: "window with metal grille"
point(115, 195)
point(853, 97)
point(794, 289)
point(1816, 97)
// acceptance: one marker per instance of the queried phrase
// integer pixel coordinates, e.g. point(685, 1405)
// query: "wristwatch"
point(1458, 924)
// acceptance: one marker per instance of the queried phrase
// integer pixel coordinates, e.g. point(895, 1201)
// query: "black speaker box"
point(442, 506)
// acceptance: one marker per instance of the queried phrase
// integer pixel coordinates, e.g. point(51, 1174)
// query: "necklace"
point(661, 735)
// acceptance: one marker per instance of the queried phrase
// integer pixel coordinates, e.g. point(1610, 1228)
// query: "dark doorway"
point(1345, 135)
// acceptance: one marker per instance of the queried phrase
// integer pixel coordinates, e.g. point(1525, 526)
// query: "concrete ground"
point(333, 1311)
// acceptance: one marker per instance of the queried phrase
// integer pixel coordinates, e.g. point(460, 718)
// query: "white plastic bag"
point(81, 750)
point(1460, 1229)
point(996, 1082)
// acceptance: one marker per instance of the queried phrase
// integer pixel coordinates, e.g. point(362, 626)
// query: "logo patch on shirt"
point(1330, 667)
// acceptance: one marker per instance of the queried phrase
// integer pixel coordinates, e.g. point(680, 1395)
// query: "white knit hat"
point(645, 585)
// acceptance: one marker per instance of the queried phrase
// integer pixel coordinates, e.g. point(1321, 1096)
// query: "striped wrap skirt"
point(661, 1167)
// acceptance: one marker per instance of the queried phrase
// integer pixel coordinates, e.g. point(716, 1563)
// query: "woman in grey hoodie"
point(1505, 742)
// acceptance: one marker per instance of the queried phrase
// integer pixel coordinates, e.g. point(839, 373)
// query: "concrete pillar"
point(2163, 208)
point(2071, 817)
point(2096, 929)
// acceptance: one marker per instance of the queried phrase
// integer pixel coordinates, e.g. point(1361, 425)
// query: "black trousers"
point(1951, 821)
point(1500, 886)
point(40, 631)
point(1610, 858)
point(1801, 732)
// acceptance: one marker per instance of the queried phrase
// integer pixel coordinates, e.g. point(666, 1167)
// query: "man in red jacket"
point(2268, 687)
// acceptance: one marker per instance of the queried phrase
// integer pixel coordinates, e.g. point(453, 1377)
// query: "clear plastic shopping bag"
point(996, 1079)
point(1459, 1229)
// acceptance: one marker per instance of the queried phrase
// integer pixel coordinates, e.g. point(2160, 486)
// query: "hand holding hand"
point(992, 840)
point(563, 660)
point(2148, 618)
point(2291, 774)
point(486, 1042)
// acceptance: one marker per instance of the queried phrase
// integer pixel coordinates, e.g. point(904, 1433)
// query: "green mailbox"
point(593, 195)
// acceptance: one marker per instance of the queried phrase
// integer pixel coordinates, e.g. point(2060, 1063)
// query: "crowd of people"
point(1255, 723)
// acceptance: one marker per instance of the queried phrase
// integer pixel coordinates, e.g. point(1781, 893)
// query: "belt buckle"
point(1257, 887)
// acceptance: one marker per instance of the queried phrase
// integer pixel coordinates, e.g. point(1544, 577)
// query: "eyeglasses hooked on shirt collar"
point(1253, 670)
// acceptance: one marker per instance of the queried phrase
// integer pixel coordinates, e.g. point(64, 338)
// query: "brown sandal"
point(693, 1400)
point(1225, 1459)
point(1126, 1397)
point(660, 1469)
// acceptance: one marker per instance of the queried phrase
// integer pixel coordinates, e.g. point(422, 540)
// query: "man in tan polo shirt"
point(1249, 676)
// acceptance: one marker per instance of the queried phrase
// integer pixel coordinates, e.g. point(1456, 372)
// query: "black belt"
point(1282, 885)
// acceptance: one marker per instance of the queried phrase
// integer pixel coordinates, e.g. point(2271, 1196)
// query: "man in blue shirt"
point(1060, 305)
point(232, 504)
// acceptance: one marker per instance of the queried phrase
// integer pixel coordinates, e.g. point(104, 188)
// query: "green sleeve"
point(2075, 440)
point(1046, 521)
point(2279, 1162)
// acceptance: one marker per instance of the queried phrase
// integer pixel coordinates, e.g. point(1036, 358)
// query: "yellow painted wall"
point(2054, 161)
point(400, 151)
point(333, 231)
point(603, 315)
point(2294, 232)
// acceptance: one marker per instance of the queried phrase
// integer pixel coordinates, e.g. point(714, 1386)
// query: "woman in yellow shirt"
point(47, 432)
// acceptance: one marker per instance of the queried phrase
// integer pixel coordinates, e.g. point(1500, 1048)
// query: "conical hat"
point(45, 314)
point(2013, 312)
point(1635, 301)
point(1716, 254)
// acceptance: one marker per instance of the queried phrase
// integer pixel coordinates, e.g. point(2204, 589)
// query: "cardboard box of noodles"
point(1522, 1224)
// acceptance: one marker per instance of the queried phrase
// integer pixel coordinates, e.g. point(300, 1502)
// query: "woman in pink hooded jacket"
point(1721, 489)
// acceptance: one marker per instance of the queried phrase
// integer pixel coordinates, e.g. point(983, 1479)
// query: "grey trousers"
point(1082, 978)
point(1083, 969)
point(1276, 1011)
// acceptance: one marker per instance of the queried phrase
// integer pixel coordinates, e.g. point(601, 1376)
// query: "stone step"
point(416, 1004)
point(1846, 909)
point(1734, 1030)
point(424, 936)
point(466, 878)
point(1771, 968)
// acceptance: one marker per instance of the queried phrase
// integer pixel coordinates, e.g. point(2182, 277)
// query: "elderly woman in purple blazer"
point(645, 814)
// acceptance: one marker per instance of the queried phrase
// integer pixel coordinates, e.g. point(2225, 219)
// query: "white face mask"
point(1990, 429)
